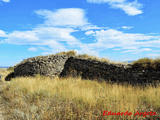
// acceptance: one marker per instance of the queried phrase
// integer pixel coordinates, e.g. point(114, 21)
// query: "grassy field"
point(42, 98)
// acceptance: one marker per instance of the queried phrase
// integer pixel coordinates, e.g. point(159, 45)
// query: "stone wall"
point(63, 65)
point(44, 65)
point(90, 69)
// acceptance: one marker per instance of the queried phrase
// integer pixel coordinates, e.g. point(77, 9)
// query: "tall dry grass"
point(89, 57)
point(3, 73)
point(147, 63)
point(42, 98)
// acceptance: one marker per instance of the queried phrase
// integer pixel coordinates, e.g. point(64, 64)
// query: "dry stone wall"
point(44, 65)
point(90, 69)
point(63, 65)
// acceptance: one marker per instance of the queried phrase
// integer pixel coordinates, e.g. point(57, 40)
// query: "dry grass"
point(42, 98)
point(68, 53)
point(148, 63)
point(88, 57)
point(4, 72)
point(83, 56)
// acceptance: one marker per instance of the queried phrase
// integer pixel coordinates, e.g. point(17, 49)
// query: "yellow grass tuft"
point(148, 63)
point(68, 53)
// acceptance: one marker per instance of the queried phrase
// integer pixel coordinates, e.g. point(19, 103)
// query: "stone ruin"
point(50, 65)
point(71, 65)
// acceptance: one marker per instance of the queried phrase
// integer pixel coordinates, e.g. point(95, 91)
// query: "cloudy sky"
point(116, 29)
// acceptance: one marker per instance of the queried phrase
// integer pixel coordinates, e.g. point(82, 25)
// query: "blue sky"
point(120, 30)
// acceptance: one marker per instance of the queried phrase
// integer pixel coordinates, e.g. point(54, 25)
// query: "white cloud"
point(127, 42)
point(89, 32)
point(127, 27)
point(6, 0)
point(64, 17)
point(60, 39)
point(49, 36)
point(55, 32)
point(22, 37)
point(154, 55)
point(130, 8)
point(56, 37)
point(32, 49)
point(91, 27)
point(2, 33)
point(137, 50)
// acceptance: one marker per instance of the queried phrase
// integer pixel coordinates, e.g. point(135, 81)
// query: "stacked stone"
point(91, 69)
point(44, 65)
point(66, 65)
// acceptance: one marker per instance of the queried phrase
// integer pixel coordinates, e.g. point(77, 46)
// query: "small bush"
point(85, 56)
point(147, 63)
point(68, 53)
point(143, 62)
point(10, 69)
point(156, 63)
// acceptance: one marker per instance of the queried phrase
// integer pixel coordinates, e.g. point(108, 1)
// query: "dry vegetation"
point(89, 57)
point(42, 98)
point(148, 63)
